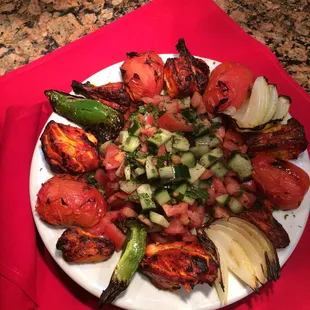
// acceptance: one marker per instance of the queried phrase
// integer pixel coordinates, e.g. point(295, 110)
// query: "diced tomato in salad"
point(113, 157)
point(174, 122)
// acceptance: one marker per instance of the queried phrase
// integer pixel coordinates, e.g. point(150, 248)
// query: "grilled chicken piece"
point(186, 74)
point(179, 264)
point(283, 142)
point(262, 218)
point(79, 246)
point(69, 149)
point(113, 95)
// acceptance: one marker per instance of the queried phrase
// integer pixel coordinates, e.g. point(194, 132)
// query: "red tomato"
point(172, 106)
point(161, 150)
point(111, 188)
point(188, 237)
point(229, 85)
point(117, 200)
point(63, 200)
point(158, 237)
point(149, 131)
point(175, 209)
point(101, 177)
point(232, 185)
point(247, 200)
point(230, 145)
point(234, 136)
point(249, 186)
point(99, 228)
point(128, 212)
point(113, 157)
point(218, 186)
point(206, 174)
point(174, 122)
point(283, 183)
point(196, 216)
point(115, 235)
point(175, 227)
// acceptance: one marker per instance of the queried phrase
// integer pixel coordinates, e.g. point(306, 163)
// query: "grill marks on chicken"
point(113, 95)
point(283, 142)
point(69, 149)
point(186, 74)
point(179, 264)
point(79, 246)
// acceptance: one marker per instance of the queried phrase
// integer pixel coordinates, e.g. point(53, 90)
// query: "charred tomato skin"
point(229, 86)
point(282, 182)
point(143, 75)
point(64, 200)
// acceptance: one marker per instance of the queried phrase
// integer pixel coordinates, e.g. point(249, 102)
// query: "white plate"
point(141, 294)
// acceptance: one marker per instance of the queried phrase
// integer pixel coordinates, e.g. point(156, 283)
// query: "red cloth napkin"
point(29, 278)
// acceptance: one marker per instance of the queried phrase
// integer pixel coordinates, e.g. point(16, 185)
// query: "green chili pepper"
point(102, 121)
point(128, 263)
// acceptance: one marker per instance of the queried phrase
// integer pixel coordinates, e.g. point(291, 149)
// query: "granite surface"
point(29, 29)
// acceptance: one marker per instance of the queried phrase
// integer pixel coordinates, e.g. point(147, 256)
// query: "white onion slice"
point(230, 111)
point(222, 278)
point(258, 105)
point(273, 266)
point(272, 104)
point(282, 107)
point(237, 260)
point(256, 257)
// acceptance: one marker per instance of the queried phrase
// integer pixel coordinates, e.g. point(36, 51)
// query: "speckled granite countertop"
point(30, 29)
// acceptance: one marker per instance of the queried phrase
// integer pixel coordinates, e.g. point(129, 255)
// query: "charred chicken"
point(69, 149)
point(113, 95)
point(79, 246)
point(284, 142)
point(179, 264)
point(186, 74)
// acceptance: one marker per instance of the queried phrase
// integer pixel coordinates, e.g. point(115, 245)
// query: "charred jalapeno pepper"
point(104, 122)
point(128, 263)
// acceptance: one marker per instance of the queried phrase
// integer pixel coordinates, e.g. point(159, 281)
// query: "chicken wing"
point(179, 264)
point(69, 149)
point(79, 246)
point(186, 74)
point(113, 95)
point(284, 142)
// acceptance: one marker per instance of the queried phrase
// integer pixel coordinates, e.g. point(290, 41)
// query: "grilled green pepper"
point(128, 263)
point(102, 121)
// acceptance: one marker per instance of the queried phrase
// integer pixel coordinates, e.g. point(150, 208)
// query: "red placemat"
point(29, 276)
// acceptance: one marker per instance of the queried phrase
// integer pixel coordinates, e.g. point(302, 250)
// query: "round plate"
point(141, 294)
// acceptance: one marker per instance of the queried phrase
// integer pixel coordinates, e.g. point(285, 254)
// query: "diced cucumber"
point(128, 186)
point(188, 159)
point(139, 171)
point(168, 146)
point(145, 196)
point(199, 151)
point(180, 190)
point(241, 164)
point(196, 183)
point(180, 143)
point(151, 170)
point(123, 135)
point(103, 146)
point(158, 219)
point(235, 205)
point(219, 169)
point(166, 172)
point(208, 140)
point(188, 200)
point(160, 137)
point(196, 172)
point(222, 200)
point(211, 157)
point(204, 184)
point(135, 129)
point(186, 102)
point(162, 197)
point(174, 173)
point(127, 172)
point(131, 144)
